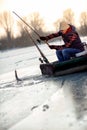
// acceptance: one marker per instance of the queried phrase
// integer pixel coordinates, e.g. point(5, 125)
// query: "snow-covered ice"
point(39, 102)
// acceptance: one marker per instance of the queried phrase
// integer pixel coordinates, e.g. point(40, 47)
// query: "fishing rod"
point(26, 23)
point(30, 28)
point(44, 57)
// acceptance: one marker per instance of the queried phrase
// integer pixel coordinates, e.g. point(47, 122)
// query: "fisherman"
point(72, 42)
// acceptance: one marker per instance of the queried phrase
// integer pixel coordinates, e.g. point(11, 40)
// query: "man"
point(72, 42)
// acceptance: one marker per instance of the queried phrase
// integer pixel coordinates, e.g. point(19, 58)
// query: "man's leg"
point(69, 52)
point(59, 55)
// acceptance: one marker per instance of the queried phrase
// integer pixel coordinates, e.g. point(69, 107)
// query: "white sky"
point(50, 10)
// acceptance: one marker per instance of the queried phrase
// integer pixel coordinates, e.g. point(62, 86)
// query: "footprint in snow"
point(45, 107)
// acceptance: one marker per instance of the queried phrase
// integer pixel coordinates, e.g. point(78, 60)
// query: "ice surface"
point(39, 102)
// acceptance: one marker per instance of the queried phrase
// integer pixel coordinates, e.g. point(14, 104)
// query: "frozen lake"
point(39, 102)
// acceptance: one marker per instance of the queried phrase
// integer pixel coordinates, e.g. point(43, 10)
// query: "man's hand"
point(55, 47)
point(43, 38)
point(52, 46)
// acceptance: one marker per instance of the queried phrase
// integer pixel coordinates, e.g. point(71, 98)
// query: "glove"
point(43, 38)
point(55, 47)
point(52, 46)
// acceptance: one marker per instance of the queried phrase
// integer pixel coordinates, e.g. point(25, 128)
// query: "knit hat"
point(63, 26)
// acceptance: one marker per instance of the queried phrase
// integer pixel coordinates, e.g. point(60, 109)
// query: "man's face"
point(63, 31)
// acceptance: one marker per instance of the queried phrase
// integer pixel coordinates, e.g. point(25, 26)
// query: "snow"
point(39, 102)
point(56, 116)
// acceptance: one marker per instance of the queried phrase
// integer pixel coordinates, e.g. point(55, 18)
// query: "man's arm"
point(53, 35)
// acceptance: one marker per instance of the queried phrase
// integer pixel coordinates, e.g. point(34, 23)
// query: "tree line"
point(17, 34)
